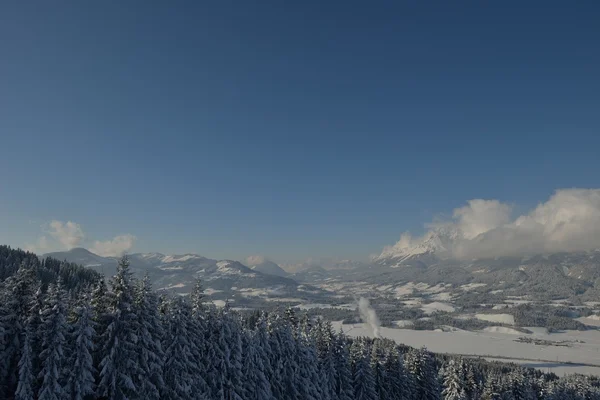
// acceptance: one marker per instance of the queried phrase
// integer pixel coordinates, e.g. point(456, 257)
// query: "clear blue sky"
point(290, 129)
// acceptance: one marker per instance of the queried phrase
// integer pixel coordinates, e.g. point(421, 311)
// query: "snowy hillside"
point(177, 273)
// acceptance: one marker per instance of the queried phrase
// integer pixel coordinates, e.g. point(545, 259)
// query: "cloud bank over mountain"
point(60, 235)
point(568, 221)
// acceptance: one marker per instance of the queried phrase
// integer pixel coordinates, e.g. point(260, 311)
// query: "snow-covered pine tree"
point(323, 337)
point(215, 355)
point(149, 349)
point(397, 387)
point(520, 386)
point(15, 304)
point(181, 373)
point(362, 375)
point(420, 364)
point(277, 357)
point(34, 321)
point(472, 383)
point(264, 355)
point(100, 302)
point(25, 387)
point(53, 330)
point(344, 386)
point(81, 380)
point(233, 387)
point(490, 389)
point(289, 368)
point(378, 370)
point(119, 366)
point(310, 383)
point(454, 383)
point(255, 383)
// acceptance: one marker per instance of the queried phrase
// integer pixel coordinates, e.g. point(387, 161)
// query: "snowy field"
point(500, 343)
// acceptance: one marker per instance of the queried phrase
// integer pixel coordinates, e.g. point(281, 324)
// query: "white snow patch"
point(437, 306)
point(284, 299)
point(444, 296)
point(471, 286)
point(502, 329)
point(186, 257)
point(403, 323)
point(176, 268)
point(501, 318)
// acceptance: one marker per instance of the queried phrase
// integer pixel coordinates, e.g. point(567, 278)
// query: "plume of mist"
point(369, 316)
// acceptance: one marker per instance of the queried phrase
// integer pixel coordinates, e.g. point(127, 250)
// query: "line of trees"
point(122, 340)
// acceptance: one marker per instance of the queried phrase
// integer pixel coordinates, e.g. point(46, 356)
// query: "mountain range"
point(428, 260)
point(222, 279)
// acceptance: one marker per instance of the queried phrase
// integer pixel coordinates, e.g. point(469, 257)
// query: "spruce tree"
point(362, 375)
point(25, 387)
point(81, 381)
point(149, 349)
point(15, 304)
point(420, 365)
point(119, 366)
point(344, 379)
point(53, 330)
point(454, 383)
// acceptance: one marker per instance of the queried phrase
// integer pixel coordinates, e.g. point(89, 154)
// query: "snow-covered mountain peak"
point(437, 242)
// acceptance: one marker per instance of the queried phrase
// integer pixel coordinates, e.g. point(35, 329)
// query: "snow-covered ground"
point(437, 306)
point(501, 318)
point(308, 306)
point(501, 344)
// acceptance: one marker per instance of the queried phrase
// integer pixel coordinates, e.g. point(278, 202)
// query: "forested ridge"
point(65, 333)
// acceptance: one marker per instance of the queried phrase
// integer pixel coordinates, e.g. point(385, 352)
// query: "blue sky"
point(290, 129)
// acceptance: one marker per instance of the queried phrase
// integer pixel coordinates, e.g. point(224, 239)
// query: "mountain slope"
point(436, 244)
point(178, 273)
point(266, 267)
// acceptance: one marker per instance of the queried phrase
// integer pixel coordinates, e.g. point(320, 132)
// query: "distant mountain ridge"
point(178, 273)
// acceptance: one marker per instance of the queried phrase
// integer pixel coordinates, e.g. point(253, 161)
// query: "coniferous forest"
point(66, 333)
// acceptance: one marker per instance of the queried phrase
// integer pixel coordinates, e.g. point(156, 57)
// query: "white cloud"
point(59, 236)
point(256, 260)
point(69, 234)
point(568, 221)
point(480, 216)
point(115, 247)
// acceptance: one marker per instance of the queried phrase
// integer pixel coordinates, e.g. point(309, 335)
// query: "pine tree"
point(234, 386)
point(490, 389)
point(25, 390)
point(344, 381)
point(119, 366)
point(53, 330)
point(277, 357)
point(379, 372)
point(362, 376)
point(101, 316)
point(14, 310)
point(255, 383)
point(180, 368)
point(264, 355)
point(420, 365)
point(81, 382)
point(289, 366)
point(149, 350)
point(309, 381)
point(454, 383)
